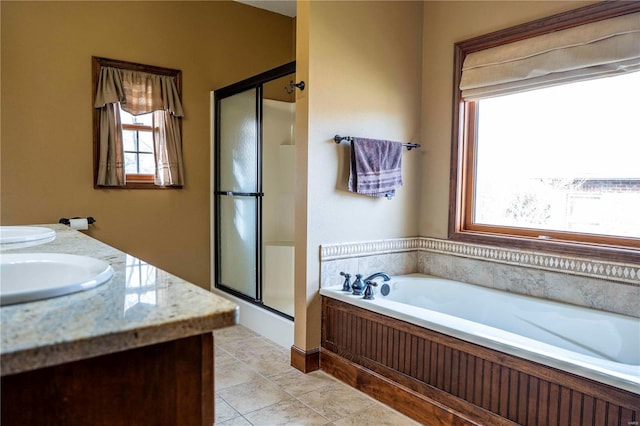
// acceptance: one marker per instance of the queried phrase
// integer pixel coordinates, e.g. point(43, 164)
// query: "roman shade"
point(593, 50)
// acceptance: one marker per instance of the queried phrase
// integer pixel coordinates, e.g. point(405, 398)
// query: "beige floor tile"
point(378, 415)
point(336, 401)
point(231, 372)
point(297, 383)
point(290, 412)
point(223, 411)
point(220, 354)
point(243, 349)
point(231, 334)
point(267, 362)
point(253, 395)
point(238, 421)
point(256, 385)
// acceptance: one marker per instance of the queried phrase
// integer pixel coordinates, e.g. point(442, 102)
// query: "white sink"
point(21, 234)
point(25, 277)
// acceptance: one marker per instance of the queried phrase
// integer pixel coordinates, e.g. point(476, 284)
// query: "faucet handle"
point(346, 286)
point(368, 291)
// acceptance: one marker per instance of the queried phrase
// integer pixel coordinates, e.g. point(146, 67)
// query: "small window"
point(549, 162)
point(137, 125)
point(137, 139)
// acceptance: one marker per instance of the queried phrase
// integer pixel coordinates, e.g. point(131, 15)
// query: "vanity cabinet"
point(168, 383)
point(135, 350)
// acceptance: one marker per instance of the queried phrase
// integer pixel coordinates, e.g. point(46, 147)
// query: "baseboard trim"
point(305, 361)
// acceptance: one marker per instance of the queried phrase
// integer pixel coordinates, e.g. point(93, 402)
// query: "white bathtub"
point(595, 344)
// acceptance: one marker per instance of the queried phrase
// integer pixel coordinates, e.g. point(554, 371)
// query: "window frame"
point(463, 153)
point(135, 181)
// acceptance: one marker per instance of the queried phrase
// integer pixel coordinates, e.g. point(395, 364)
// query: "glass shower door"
point(239, 193)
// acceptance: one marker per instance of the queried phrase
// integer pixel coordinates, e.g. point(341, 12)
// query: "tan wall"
point(362, 63)
point(445, 23)
point(46, 113)
point(360, 60)
point(377, 69)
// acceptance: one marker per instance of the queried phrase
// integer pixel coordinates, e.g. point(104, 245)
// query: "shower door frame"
point(256, 82)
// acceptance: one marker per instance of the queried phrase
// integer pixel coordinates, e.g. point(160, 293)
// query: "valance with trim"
point(593, 50)
point(138, 92)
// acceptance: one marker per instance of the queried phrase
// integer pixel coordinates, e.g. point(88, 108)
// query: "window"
point(550, 160)
point(137, 125)
point(137, 139)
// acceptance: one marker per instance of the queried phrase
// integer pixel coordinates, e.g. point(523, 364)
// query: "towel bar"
point(339, 139)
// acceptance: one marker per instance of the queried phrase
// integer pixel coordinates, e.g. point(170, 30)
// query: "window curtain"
point(141, 93)
point(594, 50)
point(111, 160)
point(168, 149)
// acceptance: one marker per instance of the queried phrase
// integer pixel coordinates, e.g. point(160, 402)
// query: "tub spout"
point(368, 282)
point(376, 275)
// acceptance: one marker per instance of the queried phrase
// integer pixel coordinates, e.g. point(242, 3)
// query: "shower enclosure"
point(253, 189)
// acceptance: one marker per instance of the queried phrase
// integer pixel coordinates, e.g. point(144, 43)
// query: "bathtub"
point(601, 346)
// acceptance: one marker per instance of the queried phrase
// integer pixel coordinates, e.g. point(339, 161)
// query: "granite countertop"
point(140, 305)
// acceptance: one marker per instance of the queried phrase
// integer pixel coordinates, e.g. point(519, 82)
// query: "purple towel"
point(376, 167)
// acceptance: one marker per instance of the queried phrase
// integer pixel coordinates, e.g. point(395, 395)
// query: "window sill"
point(139, 185)
point(551, 245)
point(138, 182)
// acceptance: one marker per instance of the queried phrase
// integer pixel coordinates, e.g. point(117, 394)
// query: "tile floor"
point(255, 385)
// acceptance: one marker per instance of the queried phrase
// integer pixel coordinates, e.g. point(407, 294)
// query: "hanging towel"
point(376, 167)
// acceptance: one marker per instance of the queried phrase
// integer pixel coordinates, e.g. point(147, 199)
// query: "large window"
point(549, 162)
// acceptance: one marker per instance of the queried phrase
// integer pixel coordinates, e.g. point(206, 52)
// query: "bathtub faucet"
point(359, 285)
point(363, 286)
point(384, 276)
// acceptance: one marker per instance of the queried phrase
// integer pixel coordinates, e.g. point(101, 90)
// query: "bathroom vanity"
point(135, 350)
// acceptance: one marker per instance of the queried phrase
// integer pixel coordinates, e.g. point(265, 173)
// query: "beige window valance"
point(138, 92)
point(593, 50)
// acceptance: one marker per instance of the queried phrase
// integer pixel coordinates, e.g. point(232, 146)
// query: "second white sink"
point(20, 234)
point(26, 277)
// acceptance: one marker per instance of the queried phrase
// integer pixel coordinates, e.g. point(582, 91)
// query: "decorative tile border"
point(622, 272)
point(368, 248)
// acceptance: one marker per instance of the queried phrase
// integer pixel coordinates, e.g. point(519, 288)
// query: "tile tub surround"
point(105, 319)
point(609, 286)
